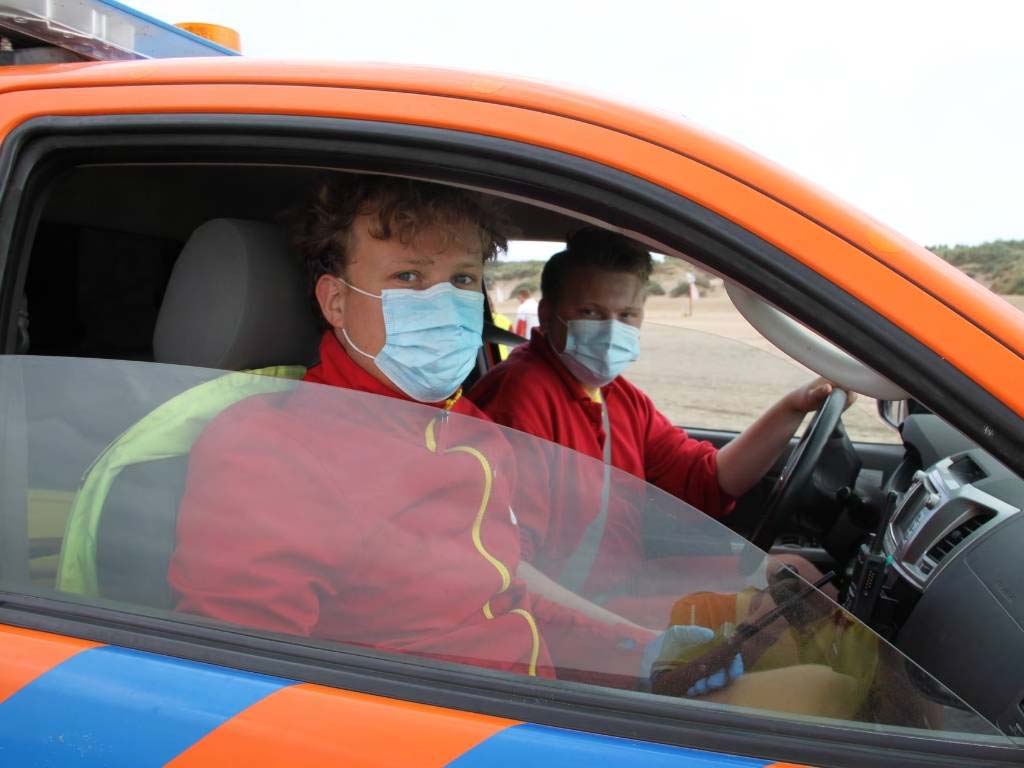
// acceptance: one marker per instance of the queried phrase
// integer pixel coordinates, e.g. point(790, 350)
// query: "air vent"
point(957, 536)
point(966, 470)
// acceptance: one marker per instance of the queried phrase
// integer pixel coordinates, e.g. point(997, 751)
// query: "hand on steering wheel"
point(799, 468)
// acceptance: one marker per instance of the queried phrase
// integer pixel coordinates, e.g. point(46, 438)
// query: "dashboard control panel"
point(943, 508)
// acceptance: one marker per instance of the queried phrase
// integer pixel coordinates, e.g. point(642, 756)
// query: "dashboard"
point(948, 579)
point(955, 500)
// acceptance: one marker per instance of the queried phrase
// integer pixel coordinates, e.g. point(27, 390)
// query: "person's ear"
point(545, 314)
point(330, 295)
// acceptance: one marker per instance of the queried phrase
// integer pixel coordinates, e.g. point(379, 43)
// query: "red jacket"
point(348, 517)
point(533, 392)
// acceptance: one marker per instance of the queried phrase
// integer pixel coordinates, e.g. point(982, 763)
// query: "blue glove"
point(673, 642)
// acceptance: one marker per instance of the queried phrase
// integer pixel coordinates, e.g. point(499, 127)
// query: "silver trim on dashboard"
point(935, 505)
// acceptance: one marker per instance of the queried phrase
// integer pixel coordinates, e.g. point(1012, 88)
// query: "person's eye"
point(406, 277)
point(464, 280)
point(587, 312)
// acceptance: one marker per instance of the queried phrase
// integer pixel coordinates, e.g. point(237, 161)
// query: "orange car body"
point(977, 332)
point(934, 302)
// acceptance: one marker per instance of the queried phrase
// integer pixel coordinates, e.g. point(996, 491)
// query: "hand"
point(673, 643)
point(810, 397)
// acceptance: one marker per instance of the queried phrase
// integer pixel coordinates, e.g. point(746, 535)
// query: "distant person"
point(692, 292)
point(565, 386)
point(526, 318)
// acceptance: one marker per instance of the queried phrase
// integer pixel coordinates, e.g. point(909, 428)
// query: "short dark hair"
point(594, 247)
point(321, 226)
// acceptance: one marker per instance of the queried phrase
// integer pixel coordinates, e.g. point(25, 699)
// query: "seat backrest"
point(236, 301)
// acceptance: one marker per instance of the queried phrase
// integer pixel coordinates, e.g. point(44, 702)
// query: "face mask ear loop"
point(551, 343)
point(360, 290)
point(354, 346)
point(344, 331)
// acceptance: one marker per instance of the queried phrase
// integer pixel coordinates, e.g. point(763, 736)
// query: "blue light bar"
point(103, 30)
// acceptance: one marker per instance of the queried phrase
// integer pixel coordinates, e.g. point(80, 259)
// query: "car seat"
point(235, 301)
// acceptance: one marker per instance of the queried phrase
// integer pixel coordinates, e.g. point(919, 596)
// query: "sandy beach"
point(714, 370)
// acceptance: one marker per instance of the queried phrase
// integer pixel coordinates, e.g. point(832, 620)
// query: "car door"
point(463, 134)
point(97, 670)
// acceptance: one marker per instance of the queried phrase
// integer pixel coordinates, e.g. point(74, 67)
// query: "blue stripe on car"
point(539, 745)
point(118, 707)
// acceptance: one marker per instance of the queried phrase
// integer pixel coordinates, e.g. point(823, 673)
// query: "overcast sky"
point(911, 110)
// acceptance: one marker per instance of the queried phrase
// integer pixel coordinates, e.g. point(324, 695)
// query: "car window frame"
point(678, 225)
point(39, 149)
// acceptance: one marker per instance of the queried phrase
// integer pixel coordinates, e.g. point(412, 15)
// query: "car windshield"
point(360, 521)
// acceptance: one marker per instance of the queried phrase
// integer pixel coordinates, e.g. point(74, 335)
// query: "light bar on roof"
point(102, 30)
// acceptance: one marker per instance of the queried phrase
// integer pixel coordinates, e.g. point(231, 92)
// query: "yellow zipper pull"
point(432, 435)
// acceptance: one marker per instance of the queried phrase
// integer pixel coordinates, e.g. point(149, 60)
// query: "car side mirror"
point(893, 412)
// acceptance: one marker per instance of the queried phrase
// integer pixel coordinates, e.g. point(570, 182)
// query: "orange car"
point(145, 276)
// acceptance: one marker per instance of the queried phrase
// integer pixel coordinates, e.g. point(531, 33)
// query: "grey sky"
point(913, 111)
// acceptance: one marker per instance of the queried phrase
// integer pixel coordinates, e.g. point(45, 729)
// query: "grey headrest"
point(235, 300)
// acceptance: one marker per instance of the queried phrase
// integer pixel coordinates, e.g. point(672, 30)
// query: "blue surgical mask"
point(431, 338)
point(596, 351)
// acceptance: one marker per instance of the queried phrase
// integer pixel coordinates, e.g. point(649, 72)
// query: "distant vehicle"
point(118, 153)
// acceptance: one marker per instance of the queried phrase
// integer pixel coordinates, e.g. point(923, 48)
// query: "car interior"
point(133, 282)
point(189, 265)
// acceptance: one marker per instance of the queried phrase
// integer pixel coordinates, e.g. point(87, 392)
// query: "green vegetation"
point(531, 287)
point(682, 288)
point(654, 289)
point(527, 271)
point(998, 264)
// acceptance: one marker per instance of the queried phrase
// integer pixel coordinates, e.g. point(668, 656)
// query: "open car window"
point(714, 371)
point(701, 361)
point(358, 521)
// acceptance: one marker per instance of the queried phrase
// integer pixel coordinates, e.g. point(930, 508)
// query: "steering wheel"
point(799, 468)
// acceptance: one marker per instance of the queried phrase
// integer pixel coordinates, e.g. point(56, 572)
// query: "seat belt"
point(577, 568)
